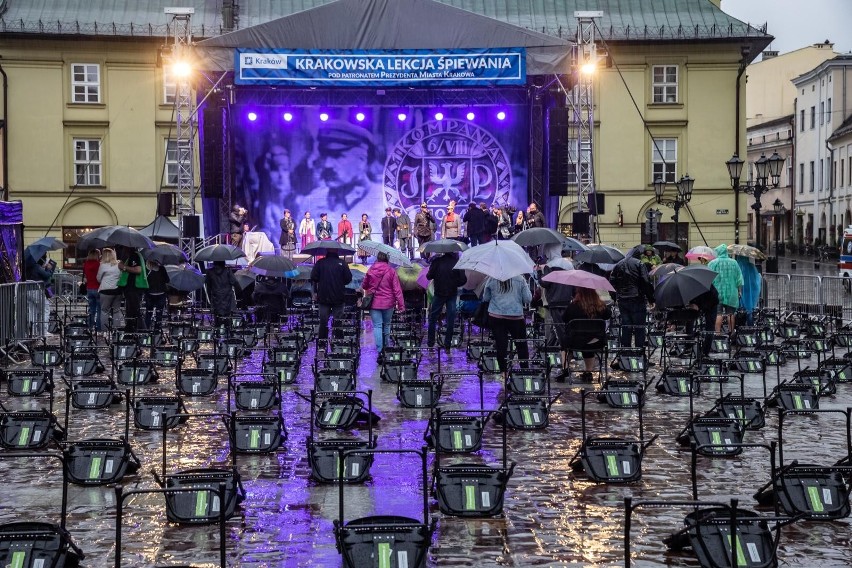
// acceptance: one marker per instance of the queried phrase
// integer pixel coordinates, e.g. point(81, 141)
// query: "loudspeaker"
point(165, 203)
point(192, 227)
point(557, 167)
point(580, 223)
point(596, 203)
point(212, 152)
point(558, 121)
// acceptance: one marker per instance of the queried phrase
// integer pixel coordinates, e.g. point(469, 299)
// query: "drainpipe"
point(745, 51)
point(5, 156)
point(830, 234)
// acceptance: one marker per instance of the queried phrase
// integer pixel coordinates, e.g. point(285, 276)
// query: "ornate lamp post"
point(780, 210)
point(766, 169)
point(684, 194)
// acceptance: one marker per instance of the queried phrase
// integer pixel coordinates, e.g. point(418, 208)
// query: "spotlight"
point(181, 69)
point(288, 116)
point(501, 115)
point(401, 117)
point(252, 116)
point(324, 116)
point(471, 116)
point(360, 117)
point(439, 116)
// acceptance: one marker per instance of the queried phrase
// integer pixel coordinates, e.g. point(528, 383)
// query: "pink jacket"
point(382, 281)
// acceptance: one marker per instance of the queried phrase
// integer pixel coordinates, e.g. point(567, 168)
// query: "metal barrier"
point(7, 316)
point(811, 295)
point(774, 291)
point(28, 315)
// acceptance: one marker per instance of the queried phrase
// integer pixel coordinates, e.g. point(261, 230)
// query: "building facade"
point(91, 121)
point(822, 150)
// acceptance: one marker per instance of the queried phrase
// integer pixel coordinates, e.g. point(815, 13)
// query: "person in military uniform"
point(424, 225)
point(388, 227)
point(403, 230)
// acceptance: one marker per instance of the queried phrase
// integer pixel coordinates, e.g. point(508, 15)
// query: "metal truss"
point(581, 108)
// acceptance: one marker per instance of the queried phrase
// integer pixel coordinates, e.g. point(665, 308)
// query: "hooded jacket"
point(383, 282)
point(630, 277)
point(330, 276)
point(729, 277)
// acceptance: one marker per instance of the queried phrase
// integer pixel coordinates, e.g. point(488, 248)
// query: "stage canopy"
point(162, 229)
point(388, 24)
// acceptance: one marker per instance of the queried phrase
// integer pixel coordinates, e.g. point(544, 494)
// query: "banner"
point(341, 166)
point(388, 68)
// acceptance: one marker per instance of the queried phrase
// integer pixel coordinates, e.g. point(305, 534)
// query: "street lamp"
point(684, 194)
point(765, 168)
point(779, 209)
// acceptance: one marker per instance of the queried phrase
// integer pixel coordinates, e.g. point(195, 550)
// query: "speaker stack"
point(212, 153)
point(558, 151)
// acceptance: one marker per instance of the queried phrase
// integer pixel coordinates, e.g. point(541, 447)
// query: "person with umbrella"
point(447, 281)
point(221, 290)
point(330, 275)
point(108, 290)
point(633, 292)
point(132, 282)
point(555, 297)
point(751, 286)
point(91, 282)
point(38, 268)
point(270, 295)
point(506, 300)
point(382, 282)
point(729, 284)
point(156, 294)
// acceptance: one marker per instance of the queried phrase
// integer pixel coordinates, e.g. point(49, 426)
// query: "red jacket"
point(382, 281)
point(90, 271)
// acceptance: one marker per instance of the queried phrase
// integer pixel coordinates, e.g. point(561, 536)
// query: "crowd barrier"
point(811, 295)
point(26, 318)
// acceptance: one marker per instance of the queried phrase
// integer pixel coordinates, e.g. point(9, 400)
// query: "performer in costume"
point(423, 223)
point(344, 230)
point(388, 227)
point(365, 231)
point(403, 230)
point(324, 228)
point(287, 240)
point(307, 229)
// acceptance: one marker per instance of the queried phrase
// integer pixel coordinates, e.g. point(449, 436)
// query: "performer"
point(287, 240)
point(423, 230)
point(307, 229)
point(451, 228)
point(344, 230)
point(388, 227)
point(403, 231)
point(365, 231)
point(237, 220)
point(324, 228)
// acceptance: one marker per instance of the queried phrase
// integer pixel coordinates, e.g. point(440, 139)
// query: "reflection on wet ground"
point(552, 517)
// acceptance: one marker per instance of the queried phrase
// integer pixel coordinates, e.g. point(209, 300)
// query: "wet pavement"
point(551, 517)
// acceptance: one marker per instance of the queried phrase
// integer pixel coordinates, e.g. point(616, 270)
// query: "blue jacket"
point(751, 283)
point(510, 303)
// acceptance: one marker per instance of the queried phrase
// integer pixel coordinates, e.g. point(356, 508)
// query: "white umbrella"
point(500, 260)
point(394, 256)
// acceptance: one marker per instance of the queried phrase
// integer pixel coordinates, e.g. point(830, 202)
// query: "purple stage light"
point(439, 116)
point(252, 116)
point(501, 115)
point(324, 116)
point(288, 116)
point(360, 117)
point(470, 116)
point(401, 117)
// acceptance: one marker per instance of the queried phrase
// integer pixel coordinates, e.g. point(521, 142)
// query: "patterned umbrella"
point(746, 250)
point(701, 252)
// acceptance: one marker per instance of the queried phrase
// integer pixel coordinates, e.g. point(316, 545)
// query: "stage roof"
point(389, 24)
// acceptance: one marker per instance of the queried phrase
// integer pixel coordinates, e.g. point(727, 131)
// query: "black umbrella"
point(37, 248)
point(119, 235)
point(273, 265)
point(245, 278)
point(165, 255)
point(538, 236)
point(185, 278)
point(213, 253)
point(321, 248)
point(443, 245)
point(600, 254)
point(683, 286)
point(667, 245)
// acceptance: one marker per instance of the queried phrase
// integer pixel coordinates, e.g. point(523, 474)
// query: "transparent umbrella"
point(499, 259)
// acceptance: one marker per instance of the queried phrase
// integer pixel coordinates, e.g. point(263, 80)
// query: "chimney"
point(824, 45)
point(769, 55)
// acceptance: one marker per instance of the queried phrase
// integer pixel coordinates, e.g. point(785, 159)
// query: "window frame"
point(170, 88)
point(88, 162)
point(813, 177)
point(661, 158)
point(665, 85)
point(86, 84)
point(166, 175)
point(802, 177)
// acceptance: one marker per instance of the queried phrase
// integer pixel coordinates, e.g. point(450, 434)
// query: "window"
point(87, 161)
point(822, 113)
point(828, 111)
point(802, 120)
point(664, 159)
point(801, 178)
point(849, 172)
point(813, 117)
point(171, 172)
point(842, 177)
point(819, 179)
point(812, 177)
point(85, 83)
point(664, 83)
point(169, 87)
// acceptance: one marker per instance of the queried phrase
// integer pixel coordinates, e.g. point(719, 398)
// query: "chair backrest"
point(583, 331)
